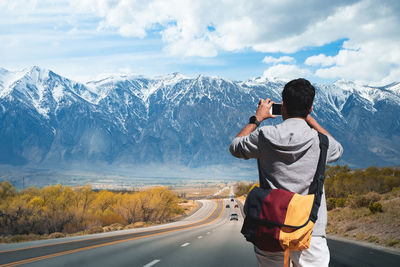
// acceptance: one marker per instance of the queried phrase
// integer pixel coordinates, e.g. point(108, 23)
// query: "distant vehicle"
point(232, 199)
point(227, 206)
point(236, 206)
point(234, 217)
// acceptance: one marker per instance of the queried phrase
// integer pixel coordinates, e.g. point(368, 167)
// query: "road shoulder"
point(364, 244)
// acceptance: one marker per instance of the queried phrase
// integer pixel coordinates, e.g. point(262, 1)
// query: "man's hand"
point(315, 125)
point(264, 109)
point(263, 112)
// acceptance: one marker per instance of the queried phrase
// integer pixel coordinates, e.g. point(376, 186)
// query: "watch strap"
point(253, 120)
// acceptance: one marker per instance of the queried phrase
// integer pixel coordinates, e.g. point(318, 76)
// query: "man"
point(288, 155)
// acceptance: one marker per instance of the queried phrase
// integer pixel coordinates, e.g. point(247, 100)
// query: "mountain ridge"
point(130, 119)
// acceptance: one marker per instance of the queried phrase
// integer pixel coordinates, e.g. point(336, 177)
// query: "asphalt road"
point(344, 254)
point(207, 238)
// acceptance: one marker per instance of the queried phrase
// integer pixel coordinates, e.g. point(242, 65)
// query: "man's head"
point(297, 97)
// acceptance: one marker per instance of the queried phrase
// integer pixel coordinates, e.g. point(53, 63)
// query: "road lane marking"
point(199, 237)
point(15, 263)
point(152, 263)
point(185, 245)
point(208, 233)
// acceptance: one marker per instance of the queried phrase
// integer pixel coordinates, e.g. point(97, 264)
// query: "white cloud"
point(238, 24)
point(320, 60)
point(373, 61)
point(205, 28)
point(274, 60)
point(266, 27)
point(287, 72)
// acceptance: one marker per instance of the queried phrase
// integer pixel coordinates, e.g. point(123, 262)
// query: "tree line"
point(341, 181)
point(359, 188)
point(59, 208)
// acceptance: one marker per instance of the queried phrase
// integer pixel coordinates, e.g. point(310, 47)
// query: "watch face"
point(254, 120)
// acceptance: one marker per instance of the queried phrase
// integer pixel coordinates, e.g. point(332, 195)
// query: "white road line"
point(199, 237)
point(186, 244)
point(151, 263)
point(208, 233)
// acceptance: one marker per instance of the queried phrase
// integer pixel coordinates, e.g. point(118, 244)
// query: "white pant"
point(316, 255)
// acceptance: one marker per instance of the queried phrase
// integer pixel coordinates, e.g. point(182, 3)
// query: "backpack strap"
point(261, 180)
point(317, 184)
point(286, 256)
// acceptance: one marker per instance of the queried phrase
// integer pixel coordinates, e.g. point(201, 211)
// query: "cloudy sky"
point(235, 39)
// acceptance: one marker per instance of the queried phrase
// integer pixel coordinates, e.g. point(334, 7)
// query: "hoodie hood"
point(291, 141)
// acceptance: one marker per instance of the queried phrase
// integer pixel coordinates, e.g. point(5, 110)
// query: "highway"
point(194, 241)
point(206, 238)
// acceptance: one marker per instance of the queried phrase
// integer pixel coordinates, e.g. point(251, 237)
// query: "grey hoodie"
point(288, 155)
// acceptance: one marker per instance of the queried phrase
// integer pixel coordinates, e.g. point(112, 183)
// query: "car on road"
point(227, 206)
point(232, 199)
point(234, 217)
point(236, 206)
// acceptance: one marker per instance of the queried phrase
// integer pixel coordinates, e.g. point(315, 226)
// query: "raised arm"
point(262, 113)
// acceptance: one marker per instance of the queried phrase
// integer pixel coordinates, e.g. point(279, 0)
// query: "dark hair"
point(298, 96)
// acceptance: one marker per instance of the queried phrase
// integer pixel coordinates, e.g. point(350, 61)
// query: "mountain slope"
point(46, 119)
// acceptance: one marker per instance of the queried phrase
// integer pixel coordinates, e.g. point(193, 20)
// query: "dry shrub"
point(363, 200)
point(395, 192)
point(373, 239)
point(130, 226)
point(56, 235)
point(330, 203)
point(392, 242)
point(109, 218)
point(375, 207)
point(116, 227)
point(95, 230)
point(340, 202)
point(373, 197)
point(350, 227)
point(139, 224)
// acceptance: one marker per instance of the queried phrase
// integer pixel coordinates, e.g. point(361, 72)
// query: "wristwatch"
point(253, 120)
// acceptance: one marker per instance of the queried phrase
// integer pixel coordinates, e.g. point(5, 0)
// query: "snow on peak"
point(36, 73)
point(41, 85)
point(7, 78)
point(3, 71)
point(173, 78)
point(395, 88)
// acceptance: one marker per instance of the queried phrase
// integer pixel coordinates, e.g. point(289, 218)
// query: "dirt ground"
point(381, 228)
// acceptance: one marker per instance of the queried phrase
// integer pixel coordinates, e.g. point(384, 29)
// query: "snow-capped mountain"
point(47, 119)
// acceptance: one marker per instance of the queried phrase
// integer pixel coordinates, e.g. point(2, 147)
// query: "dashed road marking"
point(208, 233)
point(199, 237)
point(152, 263)
point(186, 244)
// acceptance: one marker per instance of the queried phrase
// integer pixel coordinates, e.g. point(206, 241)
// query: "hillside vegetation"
point(58, 210)
point(364, 204)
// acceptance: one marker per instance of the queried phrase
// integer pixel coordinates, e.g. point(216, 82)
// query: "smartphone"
point(276, 109)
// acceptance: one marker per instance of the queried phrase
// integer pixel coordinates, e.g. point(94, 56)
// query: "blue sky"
point(237, 39)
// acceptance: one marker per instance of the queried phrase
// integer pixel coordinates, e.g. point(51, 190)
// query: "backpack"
point(281, 220)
